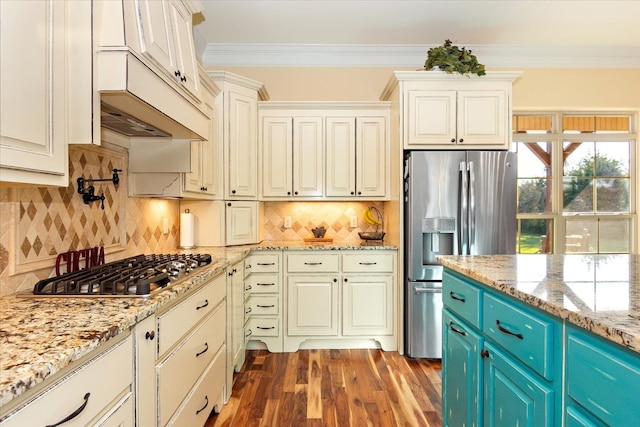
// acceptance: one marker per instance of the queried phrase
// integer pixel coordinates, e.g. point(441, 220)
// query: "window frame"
point(557, 139)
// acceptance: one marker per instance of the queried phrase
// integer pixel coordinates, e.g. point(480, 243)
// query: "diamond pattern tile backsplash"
point(36, 224)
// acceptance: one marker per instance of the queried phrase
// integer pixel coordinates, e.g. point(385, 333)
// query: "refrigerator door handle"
point(463, 215)
point(472, 208)
point(420, 290)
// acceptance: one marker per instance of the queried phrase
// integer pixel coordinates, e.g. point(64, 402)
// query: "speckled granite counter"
point(41, 336)
point(600, 293)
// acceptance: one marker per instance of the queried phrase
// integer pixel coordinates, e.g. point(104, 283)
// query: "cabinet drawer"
point(98, 383)
point(313, 263)
point(462, 298)
point(263, 283)
point(601, 379)
point(179, 372)
point(525, 334)
point(204, 396)
point(262, 327)
point(263, 304)
point(176, 322)
point(262, 263)
point(367, 263)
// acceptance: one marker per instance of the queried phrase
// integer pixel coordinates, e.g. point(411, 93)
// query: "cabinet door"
point(367, 305)
point(308, 156)
point(242, 145)
point(482, 117)
point(156, 37)
point(371, 156)
point(186, 68)
point(341, 156)
point(513, 396)
point(235, 316)
point(33, 145)
point(145, 340)
point(193, 179)
point(312, 305)
point(277, 156)
point(461, 373)
point(430, 118)
point(241, 220)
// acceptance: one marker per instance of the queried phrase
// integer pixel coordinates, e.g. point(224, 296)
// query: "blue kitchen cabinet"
point(462, 373)
point(602, 381)
point(501, 363)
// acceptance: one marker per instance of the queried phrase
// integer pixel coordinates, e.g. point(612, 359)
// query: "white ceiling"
point(577, 33)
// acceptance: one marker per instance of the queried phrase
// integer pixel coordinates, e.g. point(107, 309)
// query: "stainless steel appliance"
point(137, 276)
point(456, 202)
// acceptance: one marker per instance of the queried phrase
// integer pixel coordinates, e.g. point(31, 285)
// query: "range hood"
point(137, 102)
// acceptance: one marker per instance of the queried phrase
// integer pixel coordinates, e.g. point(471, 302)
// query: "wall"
point(36, 224)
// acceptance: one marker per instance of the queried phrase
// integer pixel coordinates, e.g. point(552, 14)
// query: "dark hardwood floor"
point(333, 388)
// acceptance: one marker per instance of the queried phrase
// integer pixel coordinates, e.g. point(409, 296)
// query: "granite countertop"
point(41, 336)
point(600, 293)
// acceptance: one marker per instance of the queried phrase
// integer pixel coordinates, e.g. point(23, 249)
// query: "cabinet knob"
point(345, 280)
point(484, 353)
point(335, 280)
point(352, 193)
point(150, 335)
point(359, 193)
point(233, 191)
point(177, 73)
point(453, 140)
point(228, 204)
point(295, 193)
point(461, 140)
point(205, 188)
point(183, 79)
point(288, 193)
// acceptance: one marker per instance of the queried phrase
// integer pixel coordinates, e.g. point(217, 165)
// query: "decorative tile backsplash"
point(36, 224)
point(334, 216)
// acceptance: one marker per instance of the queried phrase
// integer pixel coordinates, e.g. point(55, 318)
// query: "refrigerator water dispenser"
point(437, 238)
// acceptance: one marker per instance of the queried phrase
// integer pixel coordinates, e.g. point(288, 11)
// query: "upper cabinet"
point(33, 135)
point(313, 150)
point(447, 111)
point(167, 39)
point(236, 124)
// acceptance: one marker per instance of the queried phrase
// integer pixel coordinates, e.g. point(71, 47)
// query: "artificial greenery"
point(452, 59)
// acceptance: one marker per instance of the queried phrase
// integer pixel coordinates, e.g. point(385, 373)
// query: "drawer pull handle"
point(456, 330)
point(508, 332)
point(484, 353)
point(367, 263)
point(205, 405)
point(74, 413)
point(265, 284)
point(248, 266)
point(206, 303)
point(312, 263)
point(150, 335)
point(269, 327)
point(265, 306)
point(266, 263)
point(248, 310)
point(206, 347)
point(455, 297)
point(248, 288)
point(249, 333)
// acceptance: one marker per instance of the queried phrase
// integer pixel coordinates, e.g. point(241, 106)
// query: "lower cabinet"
point(235, 323)
point(341, 299)
point(94, 393)
point(180, 359)
point(501, 359)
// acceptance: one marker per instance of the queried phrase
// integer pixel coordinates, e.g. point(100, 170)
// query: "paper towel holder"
point(187, 226)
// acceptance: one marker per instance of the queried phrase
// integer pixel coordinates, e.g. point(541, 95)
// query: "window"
point(575, 182)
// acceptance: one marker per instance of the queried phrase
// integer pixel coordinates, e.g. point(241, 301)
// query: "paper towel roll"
point(187, 230)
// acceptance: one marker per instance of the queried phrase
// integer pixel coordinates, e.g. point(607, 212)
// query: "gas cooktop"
point(138, 276)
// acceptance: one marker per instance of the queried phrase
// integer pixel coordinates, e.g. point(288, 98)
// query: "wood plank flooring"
point(333, 388)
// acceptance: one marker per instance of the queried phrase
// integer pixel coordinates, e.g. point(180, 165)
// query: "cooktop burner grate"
point(140, 275)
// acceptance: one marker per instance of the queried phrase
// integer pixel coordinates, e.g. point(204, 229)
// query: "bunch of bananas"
point(372, 218)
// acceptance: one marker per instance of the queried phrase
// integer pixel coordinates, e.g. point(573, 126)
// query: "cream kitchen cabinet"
point(446, 111)
point(236, 124)
point(180, 358)
point(340, 299)
point(242, 226)
point(166, 38)
point(263, 296)
point(235, 323)
point(357, 156)
point(318, 150)
point(33, 135)
point(292, 156)
point(205, 181)
point(94, 393)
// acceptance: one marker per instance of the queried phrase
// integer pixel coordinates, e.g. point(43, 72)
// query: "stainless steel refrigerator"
point(456, 202)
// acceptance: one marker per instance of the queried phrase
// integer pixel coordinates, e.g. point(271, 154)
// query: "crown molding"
point(396, 56)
